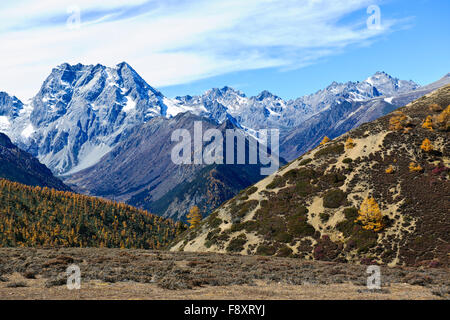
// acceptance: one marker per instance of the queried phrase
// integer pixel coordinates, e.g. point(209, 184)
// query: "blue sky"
point(289, 47)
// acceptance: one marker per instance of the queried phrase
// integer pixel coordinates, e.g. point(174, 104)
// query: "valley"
point(117, 208)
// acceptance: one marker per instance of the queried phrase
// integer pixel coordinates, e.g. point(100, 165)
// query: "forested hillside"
point(35, 216)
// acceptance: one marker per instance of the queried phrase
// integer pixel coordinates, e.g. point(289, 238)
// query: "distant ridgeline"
point(35, 216)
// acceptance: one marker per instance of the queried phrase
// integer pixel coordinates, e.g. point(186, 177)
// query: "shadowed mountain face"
point(140, 171)
point(209, 188)
point(377, 194)
point(20, 166)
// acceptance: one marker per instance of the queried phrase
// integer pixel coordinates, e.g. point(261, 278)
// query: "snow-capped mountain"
point(252, 113)
point(84, 113)
point(268, 110)
point(346, 114)
point(389, 86)
point(80, 113)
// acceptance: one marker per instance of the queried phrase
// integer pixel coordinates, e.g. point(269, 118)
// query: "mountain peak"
point(388, 85)
point(382, 73)
point(124, 64)
point(379, 75)
point(266, 94)
point(225, 91)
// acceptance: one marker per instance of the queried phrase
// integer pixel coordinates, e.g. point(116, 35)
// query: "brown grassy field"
point(28, 273)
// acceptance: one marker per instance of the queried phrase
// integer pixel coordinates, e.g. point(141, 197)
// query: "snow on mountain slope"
point(83, 111)
point(80, 113)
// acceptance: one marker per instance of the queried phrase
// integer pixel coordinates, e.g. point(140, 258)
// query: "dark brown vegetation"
point(183, 270)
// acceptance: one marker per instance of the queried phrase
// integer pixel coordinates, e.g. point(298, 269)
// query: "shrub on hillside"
point(265, 250)
point(333, 149)
point(237, 244)
point(334, 198)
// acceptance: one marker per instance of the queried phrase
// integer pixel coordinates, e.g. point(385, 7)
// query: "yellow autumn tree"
point(194, 217)
point(443, 120)
point(325, 140)
point(349, 144)
point(390, 169)
point(426, 145)
point(370, 216)
point(428, 124)
point(397, 121)
point(413, 167)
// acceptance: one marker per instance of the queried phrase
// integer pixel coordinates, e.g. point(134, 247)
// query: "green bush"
point(251, 190)
point(237, 244)
point(265, 250)
point(284, 251)
point(333, 178)
point(334, 149)
point(215, 222)
point(351, 213)
point(347, 160)
point(305, 162)
point(348, 225)
point(277, 182)
point(298, 226)
point(242, 209)
point(303, 188)
point(283, 237)
point(334, 198)
point(250, 226)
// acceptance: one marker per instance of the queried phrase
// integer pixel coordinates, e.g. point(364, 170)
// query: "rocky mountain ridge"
point(394, 170)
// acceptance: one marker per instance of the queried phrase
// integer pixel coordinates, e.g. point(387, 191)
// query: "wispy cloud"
point(173, 42)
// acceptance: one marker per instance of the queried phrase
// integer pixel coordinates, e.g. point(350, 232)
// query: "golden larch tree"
point(370, 216)
point(349, 144)
point(397, 121)
point(428, 124)
point(325, 140)
point(426, 145)
point(390, 169)
point(443, 120)
point(413, 167)
point(194, 217)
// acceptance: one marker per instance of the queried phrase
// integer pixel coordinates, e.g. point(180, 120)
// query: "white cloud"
point(176, 42)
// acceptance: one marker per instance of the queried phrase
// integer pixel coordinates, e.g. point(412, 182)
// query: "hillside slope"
point(20, 166)
point(309, 208)
point(35, 216)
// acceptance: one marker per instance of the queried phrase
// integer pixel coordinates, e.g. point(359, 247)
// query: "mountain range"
point(106, 132)
point(378, 194)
